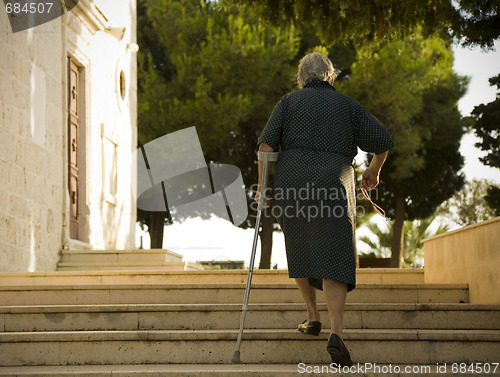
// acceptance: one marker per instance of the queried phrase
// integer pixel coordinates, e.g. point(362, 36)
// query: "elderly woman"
point(319, 130)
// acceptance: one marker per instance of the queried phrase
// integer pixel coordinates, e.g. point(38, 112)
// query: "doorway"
point(78, 227)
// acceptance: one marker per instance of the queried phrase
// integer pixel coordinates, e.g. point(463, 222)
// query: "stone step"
point(245, 370)
point(227, 316)
point(364, 276)
point(124, 266)
point(220, 294)
point(117, 256)
point(113, 260)
point(404, 346)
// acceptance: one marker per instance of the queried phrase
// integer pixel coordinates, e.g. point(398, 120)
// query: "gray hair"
point(315, 66)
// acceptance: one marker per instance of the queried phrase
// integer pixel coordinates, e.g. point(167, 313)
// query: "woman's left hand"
point(267, 201)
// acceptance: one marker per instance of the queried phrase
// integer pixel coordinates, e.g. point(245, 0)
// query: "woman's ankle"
point(340, 334)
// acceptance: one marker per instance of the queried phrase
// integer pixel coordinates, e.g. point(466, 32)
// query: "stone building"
point(67, 134)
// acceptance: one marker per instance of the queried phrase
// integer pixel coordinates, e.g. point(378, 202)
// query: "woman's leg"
point(335, 293)
point(309, 294)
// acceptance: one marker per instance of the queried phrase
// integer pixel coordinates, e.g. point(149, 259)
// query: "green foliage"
point(478, 22)
point(475, 22)
point(223, 68)
point(468, 206)
point(487, 128)
point(342, 21)
point(415, 232)
point(440, 175)
point(220, 71)
point(493, 199)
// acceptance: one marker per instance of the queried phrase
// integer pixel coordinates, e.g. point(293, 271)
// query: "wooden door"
point(73, 146)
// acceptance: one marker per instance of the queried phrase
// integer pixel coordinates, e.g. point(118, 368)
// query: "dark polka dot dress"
point(319, 130)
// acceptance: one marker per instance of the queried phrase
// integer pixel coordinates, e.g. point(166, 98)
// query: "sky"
point(479, 66)
point(218, 239)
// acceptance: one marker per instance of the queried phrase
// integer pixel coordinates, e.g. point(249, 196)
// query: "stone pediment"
point(89, 15)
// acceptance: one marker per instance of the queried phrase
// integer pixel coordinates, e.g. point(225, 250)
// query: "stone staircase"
point(185, 323)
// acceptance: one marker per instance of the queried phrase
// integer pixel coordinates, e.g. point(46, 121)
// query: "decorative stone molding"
point(90, 15)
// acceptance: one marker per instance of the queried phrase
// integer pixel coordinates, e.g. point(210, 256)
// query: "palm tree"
point(380, 246)
point(415, 232)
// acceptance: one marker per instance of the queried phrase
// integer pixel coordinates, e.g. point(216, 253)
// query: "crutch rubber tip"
point(236, 357)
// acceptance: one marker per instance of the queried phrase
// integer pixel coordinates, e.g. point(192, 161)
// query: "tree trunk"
point(155, 228)
point(398, 234)
point(266, 240)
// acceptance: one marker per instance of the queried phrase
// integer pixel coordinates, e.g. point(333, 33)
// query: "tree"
point(493, 198)
point(414, 233)
point(469, 205)
point(487, 128)
point(477, 22)
point(220, 71)
point(474, 22)
point(410, 86)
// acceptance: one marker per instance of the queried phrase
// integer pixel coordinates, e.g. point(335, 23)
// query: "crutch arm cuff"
point(271, 156)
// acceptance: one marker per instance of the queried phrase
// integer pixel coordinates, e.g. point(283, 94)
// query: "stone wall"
point(470, 255)
point(34, 198)
point(31, 186)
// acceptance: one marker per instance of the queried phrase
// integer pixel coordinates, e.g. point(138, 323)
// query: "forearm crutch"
point(265, 157)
